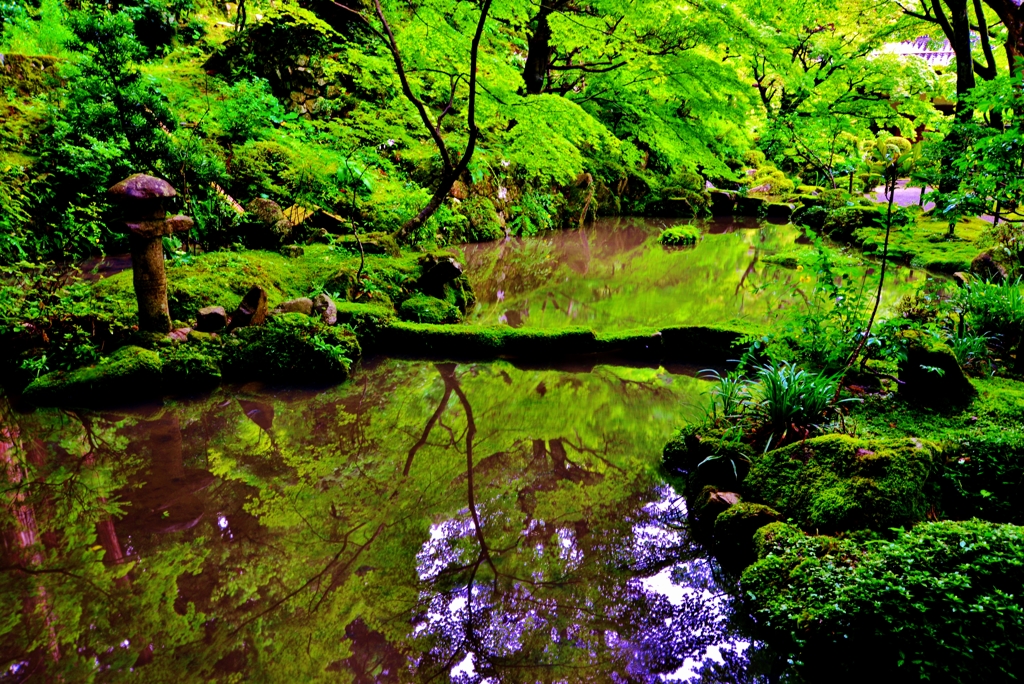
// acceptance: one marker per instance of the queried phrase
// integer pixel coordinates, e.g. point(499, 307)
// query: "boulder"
point(291, 348)
point(930, 375)
point(459, 191)
point(129, 375)
point(302, 305)
point(292, 251)
point(985, 267)
point(252, 310)
point(836, 483)
point(722, 203)
point(268, 226)
point(325, 308)
point(211, 319)
point(427, 309)
point(734, 530)
point(709, 503)
point(437, 272)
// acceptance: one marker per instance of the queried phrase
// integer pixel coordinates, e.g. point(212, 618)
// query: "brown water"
point(423, 522)
point(420, 523)
point(614, 275)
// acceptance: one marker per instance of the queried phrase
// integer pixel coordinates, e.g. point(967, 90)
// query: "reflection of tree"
point(379, 531)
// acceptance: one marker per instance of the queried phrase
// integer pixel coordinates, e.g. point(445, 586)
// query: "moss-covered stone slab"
point(129, 375)
point(836, 482)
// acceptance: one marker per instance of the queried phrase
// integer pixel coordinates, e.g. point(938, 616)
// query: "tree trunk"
point(960, 29)
point(539, 53)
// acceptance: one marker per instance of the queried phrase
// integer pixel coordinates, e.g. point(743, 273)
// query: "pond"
point(614, 275)
point(422, 522)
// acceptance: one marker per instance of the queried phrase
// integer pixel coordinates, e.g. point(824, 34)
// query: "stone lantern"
point(142, 200)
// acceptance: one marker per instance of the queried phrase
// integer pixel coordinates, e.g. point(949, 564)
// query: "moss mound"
point(367, 321)
point(191, 368)
point(426, 309)
point(836, 482)
point(128, 375)
point(291, 348)
point(679, 236)
point(944, 597)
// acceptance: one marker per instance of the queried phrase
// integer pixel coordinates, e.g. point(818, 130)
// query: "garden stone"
point(211, 319)
point(438, 272)
point(931, 376)
point(251, 311)
point(985, 267)
point(303, 305)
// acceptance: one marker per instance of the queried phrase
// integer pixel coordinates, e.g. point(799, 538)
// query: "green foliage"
point(106, 126)
point(937, 602)
point(837, 483)
point(23, 31)
point(984, 475)
point(292, 348)
point(680, 235)
point(249, 108)
point(786, 397)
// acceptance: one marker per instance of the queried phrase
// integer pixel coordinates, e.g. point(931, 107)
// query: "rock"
point(292, 251)
point(838, 483)
point(734, 530)
point(459, 191)
point(302, 305)
point(722, 203)
point(749, 206)
point(127, 376)
point(985, 267)
point(931, 376)
point(267, 223)
point(709, 503)
point(291, 348)
point(427, 309)
point(211, 319)
point(251, 311)
point(961, 278)
point(438, 271)
point(324, 307)
point(778, 210)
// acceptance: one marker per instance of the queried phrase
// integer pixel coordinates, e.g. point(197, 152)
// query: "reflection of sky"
point(477, 636)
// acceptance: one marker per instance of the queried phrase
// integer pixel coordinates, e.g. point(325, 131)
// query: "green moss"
point(925, 245)
point(367, 321)
point(291, 348)
point(479, 342)
point(191, 368)
point(930, 374)
point(939, 602)
point(836, 482)
point(426, 309)
point(128, 375)
point(680, 235)
point(484, 223)
point(735, 527)
point(704, 456)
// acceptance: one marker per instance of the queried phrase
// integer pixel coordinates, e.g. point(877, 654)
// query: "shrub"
point(249, 107)
point(787, 397)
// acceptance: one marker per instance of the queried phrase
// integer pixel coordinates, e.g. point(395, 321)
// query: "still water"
point(422, 522)
point(614, 275)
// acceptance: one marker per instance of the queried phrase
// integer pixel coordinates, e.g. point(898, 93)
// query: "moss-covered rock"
point(291, 348)
point(940, 602)
point(706, 457)
point(710, 502)
point(426, 309)
point(191, 368)
point(930, 374)
point(678, 236)
point(837, 482)
point(734, 531)
point(128, 375)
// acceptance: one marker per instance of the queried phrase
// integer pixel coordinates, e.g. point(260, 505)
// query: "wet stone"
point(303, 305)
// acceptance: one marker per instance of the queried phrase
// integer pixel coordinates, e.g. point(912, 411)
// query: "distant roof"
point(935, 53)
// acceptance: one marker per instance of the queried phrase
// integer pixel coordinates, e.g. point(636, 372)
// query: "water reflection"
point(424, 522)
point(613, 274)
